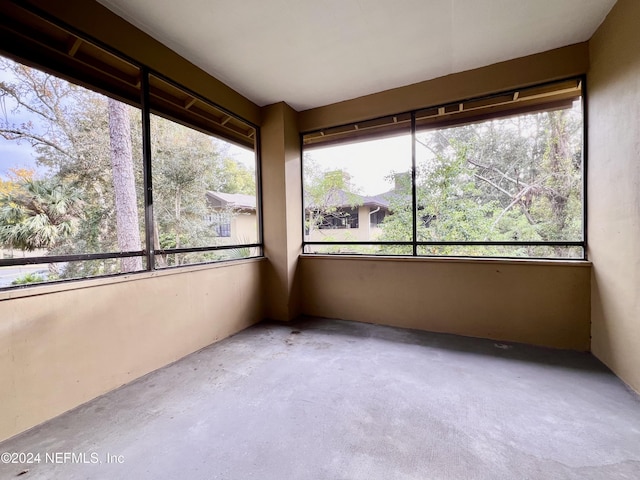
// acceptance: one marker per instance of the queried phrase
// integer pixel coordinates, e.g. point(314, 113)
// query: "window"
point(376, 216)
point(223, 229)
point(491, 177)
point(340, 217)
point(71, 180)
point(204, 185)
point(220, 222)
point(79, 197)
point(347, 195)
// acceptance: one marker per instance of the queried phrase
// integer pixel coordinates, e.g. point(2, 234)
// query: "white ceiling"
point(310, 53)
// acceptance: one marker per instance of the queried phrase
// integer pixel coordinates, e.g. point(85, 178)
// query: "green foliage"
point(187, 163)
point(514, 179)
point(326, 194)
point(236, 253)
point(39, 214)
point(234, 177)
point(28, 278)
point(84, 269)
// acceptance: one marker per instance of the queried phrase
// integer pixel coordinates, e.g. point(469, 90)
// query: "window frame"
point(147, 110)
point(358, 135)
point(32, 56)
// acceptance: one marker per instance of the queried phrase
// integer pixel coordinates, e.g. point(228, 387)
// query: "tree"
point(15, 176)
point(514, 179)
point(233, 177)
point(326, 192)
point(185, 166)
point(124, 185)
point(82, 144)
point(187, 163)
point(39, 214)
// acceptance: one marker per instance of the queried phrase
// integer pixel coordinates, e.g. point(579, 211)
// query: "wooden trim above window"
point(552, 96)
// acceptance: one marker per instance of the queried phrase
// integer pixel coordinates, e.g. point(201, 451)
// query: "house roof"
point(231, 200)
point(337, 198)
point(343, 198)
point(379, 200)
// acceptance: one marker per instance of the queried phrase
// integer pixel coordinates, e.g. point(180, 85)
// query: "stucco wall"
point(63, 348)
point(541, 303)
point(614, 190)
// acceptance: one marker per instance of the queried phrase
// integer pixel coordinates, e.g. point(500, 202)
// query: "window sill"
point(474, 260)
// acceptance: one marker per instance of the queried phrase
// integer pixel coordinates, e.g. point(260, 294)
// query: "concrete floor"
point(342, 400)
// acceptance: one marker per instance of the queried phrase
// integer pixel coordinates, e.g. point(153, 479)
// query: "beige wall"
point(60, 349)
point(244, 228)
point(541, 303)
point(614, 190)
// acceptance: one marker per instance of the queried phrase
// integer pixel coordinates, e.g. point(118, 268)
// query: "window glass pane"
point(509, 179)
point(359, 191)
point(502, 168)
point(51, 272)
point(176, 259)
point(70, 171)
point(204, 191)
point(360, 249)
point(502, 251)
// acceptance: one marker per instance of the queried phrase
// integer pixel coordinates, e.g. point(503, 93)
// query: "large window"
point(205, 186)
point(492, 177)
point(114, 170)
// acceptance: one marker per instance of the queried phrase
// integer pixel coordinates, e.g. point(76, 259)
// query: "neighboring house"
point(233, 215)
point(351, 217)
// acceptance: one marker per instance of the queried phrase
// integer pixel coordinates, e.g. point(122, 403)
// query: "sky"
point(15, 155)
point(12, 153)
point(368, 163)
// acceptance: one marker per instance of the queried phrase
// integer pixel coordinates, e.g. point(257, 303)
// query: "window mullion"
point(146, 165)
point(414, 200)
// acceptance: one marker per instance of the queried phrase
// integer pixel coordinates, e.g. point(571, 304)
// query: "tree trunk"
point(124, 186)
point(161, 260)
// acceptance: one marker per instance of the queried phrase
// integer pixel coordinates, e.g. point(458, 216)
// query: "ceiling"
point(310, 53)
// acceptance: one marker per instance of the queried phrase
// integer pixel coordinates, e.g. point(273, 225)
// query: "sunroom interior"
point(65, 343)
